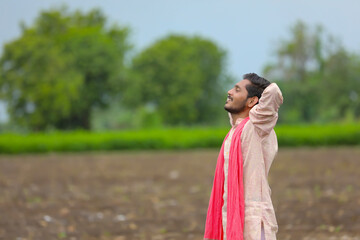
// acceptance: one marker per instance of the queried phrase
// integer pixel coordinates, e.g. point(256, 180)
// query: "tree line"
point(71, 68)
point(319, 78)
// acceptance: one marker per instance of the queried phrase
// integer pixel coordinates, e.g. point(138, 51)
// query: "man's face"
point(237, 97)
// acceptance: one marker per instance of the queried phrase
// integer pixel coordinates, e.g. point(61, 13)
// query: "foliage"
point(61, 67)
point(171, 138)
point(319, 78)
point(118, 116)
point(182, 78)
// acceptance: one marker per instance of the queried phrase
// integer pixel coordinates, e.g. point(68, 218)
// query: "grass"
point(170, 138)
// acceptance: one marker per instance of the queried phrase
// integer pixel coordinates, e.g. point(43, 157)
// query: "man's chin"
point(234, 110)
point(226, 107)
point(230, 110)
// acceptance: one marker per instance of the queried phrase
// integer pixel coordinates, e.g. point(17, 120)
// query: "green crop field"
point(171, 138)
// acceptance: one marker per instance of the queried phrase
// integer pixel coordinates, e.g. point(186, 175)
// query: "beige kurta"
point(259, 147)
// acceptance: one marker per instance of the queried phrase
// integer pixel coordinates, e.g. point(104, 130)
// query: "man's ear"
point(252, 101)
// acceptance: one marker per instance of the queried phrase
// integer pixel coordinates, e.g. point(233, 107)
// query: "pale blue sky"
point(248, 30)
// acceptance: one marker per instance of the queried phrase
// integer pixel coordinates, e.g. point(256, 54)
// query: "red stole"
point(235, 199)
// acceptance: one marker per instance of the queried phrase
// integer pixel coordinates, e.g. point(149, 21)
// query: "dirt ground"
point(164, 195)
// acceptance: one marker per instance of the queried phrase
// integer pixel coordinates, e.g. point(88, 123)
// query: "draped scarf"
point(235, 199)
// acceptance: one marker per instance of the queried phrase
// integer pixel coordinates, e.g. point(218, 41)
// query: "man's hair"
point(257, 86)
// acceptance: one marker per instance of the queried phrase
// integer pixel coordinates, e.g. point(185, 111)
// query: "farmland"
point(164, 194)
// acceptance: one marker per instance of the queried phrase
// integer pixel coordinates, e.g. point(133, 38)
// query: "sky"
point(248, 30)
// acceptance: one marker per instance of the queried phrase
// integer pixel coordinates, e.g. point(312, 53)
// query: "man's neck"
point(236, 116)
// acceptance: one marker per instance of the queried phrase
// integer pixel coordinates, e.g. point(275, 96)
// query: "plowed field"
point(164, 194)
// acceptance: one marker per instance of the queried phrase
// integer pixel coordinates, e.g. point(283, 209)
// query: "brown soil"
point(164, 195)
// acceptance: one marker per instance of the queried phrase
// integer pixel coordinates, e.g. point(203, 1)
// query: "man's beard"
point(235, 110)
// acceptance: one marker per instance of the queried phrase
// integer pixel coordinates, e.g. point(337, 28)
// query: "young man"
point(240, 205)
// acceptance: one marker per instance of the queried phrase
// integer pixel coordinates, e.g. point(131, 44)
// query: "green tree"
point(61, 67)
point(182, 78)
point(341, 87)
point(317, 76)
point(303, 53)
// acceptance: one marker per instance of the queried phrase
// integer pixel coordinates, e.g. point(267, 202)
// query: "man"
point(240, 205)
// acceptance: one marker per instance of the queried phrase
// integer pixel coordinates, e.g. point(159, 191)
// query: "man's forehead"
point(243, 83)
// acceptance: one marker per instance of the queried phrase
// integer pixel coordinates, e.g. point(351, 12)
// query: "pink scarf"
point(235, 200)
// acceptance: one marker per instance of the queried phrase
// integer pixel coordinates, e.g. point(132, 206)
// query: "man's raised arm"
point(265, 114)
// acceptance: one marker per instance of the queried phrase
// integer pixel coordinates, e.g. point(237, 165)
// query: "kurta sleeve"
point(265, 114)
